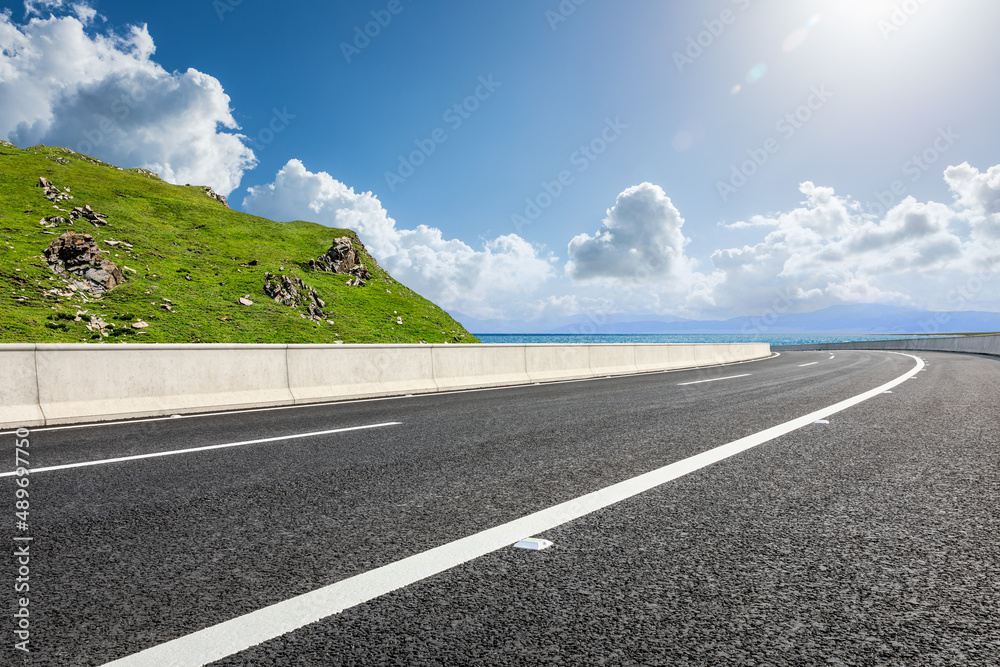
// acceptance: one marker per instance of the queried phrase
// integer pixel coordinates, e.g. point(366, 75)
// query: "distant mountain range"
point(846, 319)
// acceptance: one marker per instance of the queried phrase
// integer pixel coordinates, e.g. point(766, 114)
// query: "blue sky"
point(716, 157)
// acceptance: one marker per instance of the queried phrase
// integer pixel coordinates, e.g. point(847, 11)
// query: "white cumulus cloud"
point(640, 239)
point(483, 282)
point(979, 193)
point(103, 95)
point(828, 251)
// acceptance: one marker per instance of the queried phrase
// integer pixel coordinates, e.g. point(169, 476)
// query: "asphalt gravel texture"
point(870, 540)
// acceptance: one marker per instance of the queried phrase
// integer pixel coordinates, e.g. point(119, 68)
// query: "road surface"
point(869, 539)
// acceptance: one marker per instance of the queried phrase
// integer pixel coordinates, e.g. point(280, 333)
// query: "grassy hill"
point(190, 262)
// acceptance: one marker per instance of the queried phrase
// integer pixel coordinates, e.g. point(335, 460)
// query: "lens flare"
point(756, 73)
point(682, 141)
point(798, 36)
point(796, 39)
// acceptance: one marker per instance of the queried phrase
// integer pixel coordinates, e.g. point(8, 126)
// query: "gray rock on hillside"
point(54, 221)
point(77, 257)
point(88, 214)
point(342, 258)
point(215, 195)
point(52, 193)
point(292, 292)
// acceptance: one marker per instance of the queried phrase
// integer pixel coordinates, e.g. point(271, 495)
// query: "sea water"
point(773, 339)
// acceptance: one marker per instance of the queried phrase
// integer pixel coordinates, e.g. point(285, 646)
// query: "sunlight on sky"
point(612, 127)
point(756, 73)
point(798, 37)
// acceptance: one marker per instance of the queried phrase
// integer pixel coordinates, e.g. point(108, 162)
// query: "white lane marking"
point(218, 413)
point(812, 364)
point(731, 377)
point(533, 544)
point(833, 356)
point(238, 634)
point(190, 450)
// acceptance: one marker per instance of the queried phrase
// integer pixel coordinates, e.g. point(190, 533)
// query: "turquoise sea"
point(773, 339)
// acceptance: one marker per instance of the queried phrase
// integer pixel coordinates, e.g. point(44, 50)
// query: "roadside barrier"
point(46, 384)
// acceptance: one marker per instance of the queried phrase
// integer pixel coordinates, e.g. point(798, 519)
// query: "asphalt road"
point(869, 540)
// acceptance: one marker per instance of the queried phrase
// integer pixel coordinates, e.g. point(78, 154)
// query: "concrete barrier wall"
point(470, 366)
point(319, 372)
point(546, 363)
point(655, 357)
point(982, 344)
point(97, 382)
point(682, 356)
point(18, 387)
point(612, 360)
point(58, 384)
point(737, 351)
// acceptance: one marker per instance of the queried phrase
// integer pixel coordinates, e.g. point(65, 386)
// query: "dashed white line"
point(190, 450)
point(731, 377)
point(812, 364)
point(238, 634)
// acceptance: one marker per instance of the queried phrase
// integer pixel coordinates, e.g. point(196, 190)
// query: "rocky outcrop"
point(342, 258)
point(77, 257)
point(293, 292)
point(55, 195)
point(54, 221)
point(88, 214)
point(215, 195)
point(145, 172)
point(80, 212)
point(52, 193)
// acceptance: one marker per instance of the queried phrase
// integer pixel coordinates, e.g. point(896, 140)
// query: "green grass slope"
point(189, 252)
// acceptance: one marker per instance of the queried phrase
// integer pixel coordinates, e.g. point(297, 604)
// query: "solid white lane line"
point(217, 413)
point(154, 455)
point(812, 364)
point(684, 384)
point(231, 637)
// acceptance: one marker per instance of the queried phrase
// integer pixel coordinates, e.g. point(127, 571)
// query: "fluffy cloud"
point(38, 7)
point(828, 251)
point(824, 252)
point(980, 194)
point(975, 190)
point(103, 95)
point(640, 239)
point(482, 283)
